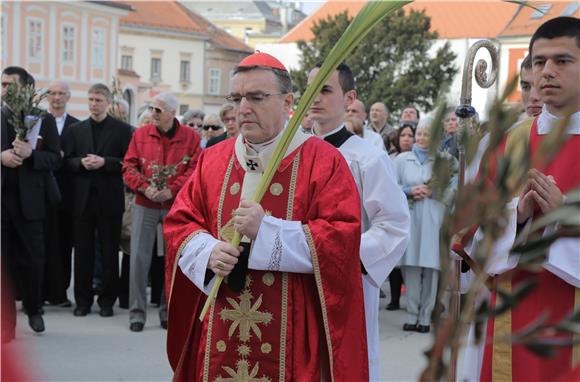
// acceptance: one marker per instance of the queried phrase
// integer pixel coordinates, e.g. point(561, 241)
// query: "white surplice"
point(385, 229)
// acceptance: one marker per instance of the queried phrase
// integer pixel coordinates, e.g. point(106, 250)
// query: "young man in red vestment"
point(555, 51)
point(291, 307)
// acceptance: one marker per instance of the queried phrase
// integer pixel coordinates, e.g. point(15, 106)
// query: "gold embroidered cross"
point(242, 373)
point(245, 316)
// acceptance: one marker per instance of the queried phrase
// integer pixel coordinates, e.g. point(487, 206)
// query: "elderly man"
point(291, 308)
point(357, 109)
point(160, 158)
point(93, 151)
point(379, 115)
point(59, 227)
point(25, 168)
point(385, 215)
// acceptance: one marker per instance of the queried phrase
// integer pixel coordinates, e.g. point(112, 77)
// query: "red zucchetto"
point(262, 59)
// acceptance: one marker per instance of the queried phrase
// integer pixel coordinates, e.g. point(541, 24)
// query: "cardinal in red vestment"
point(291, 306)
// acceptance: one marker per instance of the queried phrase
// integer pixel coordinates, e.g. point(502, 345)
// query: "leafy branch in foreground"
point(24, 103)
point(483, 204)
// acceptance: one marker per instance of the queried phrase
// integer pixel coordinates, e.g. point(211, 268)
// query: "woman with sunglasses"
point(228, 118)
point(212, 127)
point(194, 119)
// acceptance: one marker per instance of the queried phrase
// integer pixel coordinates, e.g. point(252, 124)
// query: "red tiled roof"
point(451, 19)
point(524, 25)
point(161, 14)
point(172, 15)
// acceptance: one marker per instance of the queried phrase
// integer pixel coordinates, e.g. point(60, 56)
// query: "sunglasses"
point(155, 109)
point(193, 124)
point(213, 127)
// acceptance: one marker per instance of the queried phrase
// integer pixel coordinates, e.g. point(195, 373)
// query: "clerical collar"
point(337, 136)
point(547, 120)
point(259, 147)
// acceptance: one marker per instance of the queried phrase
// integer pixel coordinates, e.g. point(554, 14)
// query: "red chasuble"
point(551, 296)
point(281, 326)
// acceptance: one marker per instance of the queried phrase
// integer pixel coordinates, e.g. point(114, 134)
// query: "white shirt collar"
point(547, 121)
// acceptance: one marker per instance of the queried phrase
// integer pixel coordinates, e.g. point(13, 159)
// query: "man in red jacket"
point(160, 158)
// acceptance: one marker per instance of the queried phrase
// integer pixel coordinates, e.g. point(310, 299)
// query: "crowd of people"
point(349, 183)
point(107, 187)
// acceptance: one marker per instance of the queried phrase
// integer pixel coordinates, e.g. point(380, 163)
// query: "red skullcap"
point(262, 59)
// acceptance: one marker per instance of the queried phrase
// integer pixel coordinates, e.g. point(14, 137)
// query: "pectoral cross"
point(251, 164)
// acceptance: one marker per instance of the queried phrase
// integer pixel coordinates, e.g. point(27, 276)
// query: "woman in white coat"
point(420, 264)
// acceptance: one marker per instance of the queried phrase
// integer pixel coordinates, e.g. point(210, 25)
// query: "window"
point(214, 81)
point(35, 40)
point(228, 30)
point(127, 62)
point(156, 69)
point(99, 48)
point(184, 71)
point(183, 109)
point(570, 9)
point(68, 44)
point(3, 32)
point(249, 30)
point(541, 11)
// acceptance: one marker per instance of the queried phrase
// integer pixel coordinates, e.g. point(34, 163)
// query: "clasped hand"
point(421, 192)
point(540, 189)
point(158, 196)
point(93, 162)
point(17, 154)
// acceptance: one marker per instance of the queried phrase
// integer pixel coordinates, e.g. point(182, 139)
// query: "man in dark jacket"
point(59, 224)
point(26, 167)
point(94, 150)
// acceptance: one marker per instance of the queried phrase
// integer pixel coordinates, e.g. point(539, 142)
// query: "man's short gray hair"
point(168, 99)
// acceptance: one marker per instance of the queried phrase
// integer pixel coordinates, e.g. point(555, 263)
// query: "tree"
point(393, 64)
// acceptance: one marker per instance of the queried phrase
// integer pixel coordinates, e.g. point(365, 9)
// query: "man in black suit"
point(59, 225)
point(94, 150)
point(25, 170)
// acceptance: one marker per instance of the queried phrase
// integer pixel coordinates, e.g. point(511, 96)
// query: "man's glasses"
point(6, 84)
point(253, 98)
point(213, 127)
point(193, 124)
point(155, 109)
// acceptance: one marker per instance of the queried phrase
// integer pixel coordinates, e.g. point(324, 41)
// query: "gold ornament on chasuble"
point(246, 331)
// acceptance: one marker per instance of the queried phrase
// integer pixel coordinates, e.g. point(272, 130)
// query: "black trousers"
point(59, 244)
point(395, 282)
point(23, 256)
point(92, 220)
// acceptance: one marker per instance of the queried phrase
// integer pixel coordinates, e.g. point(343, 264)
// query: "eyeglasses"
point(253, 98)
point(155, 109)
point(6, 84)
point(213, 127)
point(193, 124)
